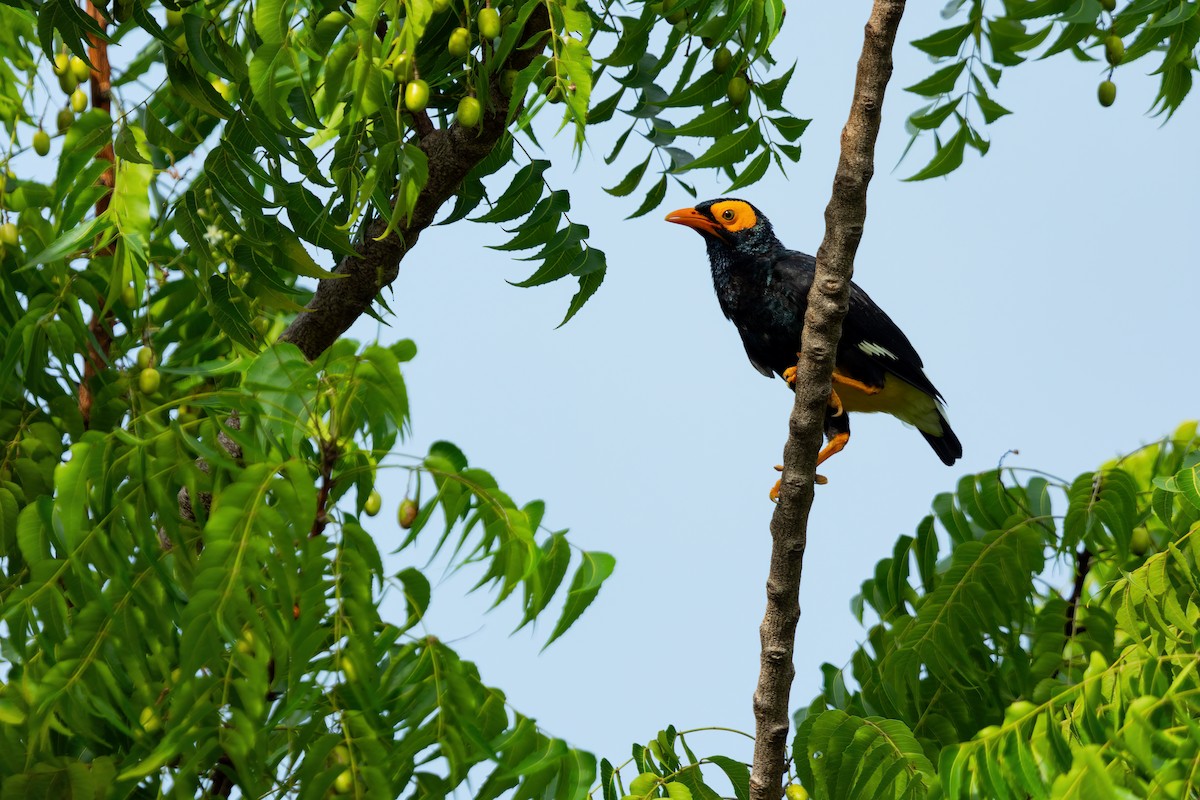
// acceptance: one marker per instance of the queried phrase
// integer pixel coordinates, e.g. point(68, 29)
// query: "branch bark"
point(827, 303)
point(452, 153)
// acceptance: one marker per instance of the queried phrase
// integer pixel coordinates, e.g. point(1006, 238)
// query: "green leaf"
point(946, 42)
point(940, 82)
point(585, 586)
point(728, 150)
point(653, 199)
point(948, 157)
point(630, 181)
point(228, 313)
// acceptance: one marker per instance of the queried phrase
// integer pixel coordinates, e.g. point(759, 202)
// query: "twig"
point(1083, 563)
point(827, 303)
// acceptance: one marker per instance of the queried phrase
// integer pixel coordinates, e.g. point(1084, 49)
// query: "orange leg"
point(835, 446)
point(835, 402)
point(853, 384)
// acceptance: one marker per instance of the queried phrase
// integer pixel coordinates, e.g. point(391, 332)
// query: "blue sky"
point(1050, 288)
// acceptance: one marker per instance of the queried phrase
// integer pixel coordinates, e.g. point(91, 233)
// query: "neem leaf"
point(594, 570)
point(939, 82)
point(948, 157)
point(653, 200)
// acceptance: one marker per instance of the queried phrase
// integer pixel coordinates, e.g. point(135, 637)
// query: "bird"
point(762, 288)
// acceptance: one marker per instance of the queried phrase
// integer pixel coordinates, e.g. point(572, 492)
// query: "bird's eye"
point(727, 215)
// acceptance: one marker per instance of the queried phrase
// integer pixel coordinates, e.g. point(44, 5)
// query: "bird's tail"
point(946, 444)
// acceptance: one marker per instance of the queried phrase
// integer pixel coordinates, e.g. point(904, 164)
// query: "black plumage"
point(763, 289)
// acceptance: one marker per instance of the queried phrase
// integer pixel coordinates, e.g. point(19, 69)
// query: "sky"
point(1050, 288)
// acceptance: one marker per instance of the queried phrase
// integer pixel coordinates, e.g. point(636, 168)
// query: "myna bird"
point(763, 289)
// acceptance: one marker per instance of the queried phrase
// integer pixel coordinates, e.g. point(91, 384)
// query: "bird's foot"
point(835, 404)
point(789, 375)
point(820, 480)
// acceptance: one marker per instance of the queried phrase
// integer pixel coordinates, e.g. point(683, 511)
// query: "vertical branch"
point(827, 303)
point(1083, 563)
point(101, 324)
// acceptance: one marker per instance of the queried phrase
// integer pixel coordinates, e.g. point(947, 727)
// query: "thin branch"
point(102, 321)
point(827, 304)
point(1083, 563)
point(452, 152)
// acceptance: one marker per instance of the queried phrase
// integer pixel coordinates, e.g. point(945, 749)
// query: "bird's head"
point(730, 227)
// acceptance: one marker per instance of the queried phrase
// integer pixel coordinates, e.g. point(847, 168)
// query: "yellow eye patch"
point(734, 215)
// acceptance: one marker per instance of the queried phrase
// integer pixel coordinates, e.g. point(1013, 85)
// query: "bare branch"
point(827, 303)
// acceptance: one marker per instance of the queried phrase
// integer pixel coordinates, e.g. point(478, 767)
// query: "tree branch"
point(1083, 563)
point(827, 303)
point(452, 153)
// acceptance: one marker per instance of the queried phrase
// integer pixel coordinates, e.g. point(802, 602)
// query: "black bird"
point(763, 289)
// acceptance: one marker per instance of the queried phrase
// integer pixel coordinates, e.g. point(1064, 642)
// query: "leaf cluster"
point(981, 678)
point(983, 40)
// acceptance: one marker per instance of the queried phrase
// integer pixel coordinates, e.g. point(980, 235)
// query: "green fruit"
point(403, 68)
point(678, 791)
point(174, 17)
point(737, 90)
point(795, 791)
point(148, 720)
point(1018, 711)
point(67, 82)
point(440, 5)
point(460, 42)
point(373, 504)
point(1107, 93)
point(149, 381)
point(1140, 543)
point(1114, 49)
point(79, 101)
point(123, 11)
point(41, 142)
point(9, 237)
point(508, 80)
point(64, 120)
point(80, 69)
point(554, 94)
point(469, 112)
point(722, 59)
point(145, 358)
point(642, 784)
point(224, 89)
point(416, 95)
point(344, 782)
point(62, 63)
point(489, 23)
point(1109, 5)
point(129, 296)
point(407, 513)
point(328, 29)
point(673, 16)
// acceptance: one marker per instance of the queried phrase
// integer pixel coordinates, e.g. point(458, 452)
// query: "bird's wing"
point(870, 332)
point(871, 343)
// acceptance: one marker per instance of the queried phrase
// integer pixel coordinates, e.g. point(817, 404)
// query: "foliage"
point(1017, 30)
point(981, 678)
point(245, 647)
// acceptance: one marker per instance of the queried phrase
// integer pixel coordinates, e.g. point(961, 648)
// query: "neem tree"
point(190, 603)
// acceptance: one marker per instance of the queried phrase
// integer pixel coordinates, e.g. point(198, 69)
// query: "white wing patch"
point(872, 349)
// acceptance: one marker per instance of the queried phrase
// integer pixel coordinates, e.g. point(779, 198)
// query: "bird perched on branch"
point(763, 289)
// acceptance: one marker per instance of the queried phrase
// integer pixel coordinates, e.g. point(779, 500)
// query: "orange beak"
point(695, 220)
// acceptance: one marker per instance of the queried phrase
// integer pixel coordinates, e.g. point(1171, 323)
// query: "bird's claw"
point(819, 480)
point(789, 375)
